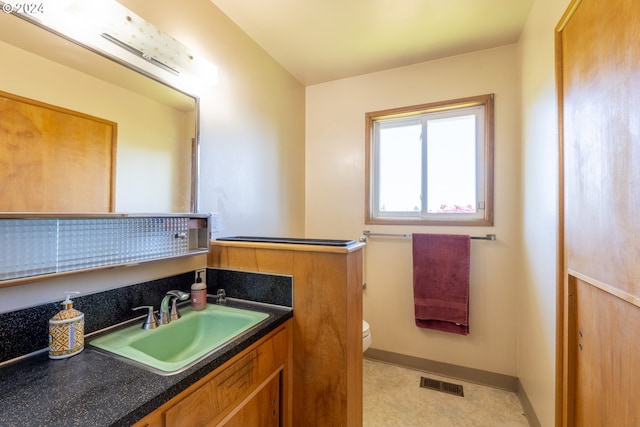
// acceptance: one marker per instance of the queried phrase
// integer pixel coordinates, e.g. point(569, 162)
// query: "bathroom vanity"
point(327, 326)
point(250, 377)
point(253, 388)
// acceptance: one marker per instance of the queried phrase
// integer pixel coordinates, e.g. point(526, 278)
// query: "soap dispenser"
point(66, 331)
point(198, 294)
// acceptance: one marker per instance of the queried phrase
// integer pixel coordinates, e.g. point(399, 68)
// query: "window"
point(431, 164)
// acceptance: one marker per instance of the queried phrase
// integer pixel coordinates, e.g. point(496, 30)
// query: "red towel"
point(441, 282)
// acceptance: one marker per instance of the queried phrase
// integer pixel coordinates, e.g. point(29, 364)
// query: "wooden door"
point(53, 159)
point(598, 56)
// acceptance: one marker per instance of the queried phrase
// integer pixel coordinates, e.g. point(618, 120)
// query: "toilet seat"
point(366, 336)
point(365, 329)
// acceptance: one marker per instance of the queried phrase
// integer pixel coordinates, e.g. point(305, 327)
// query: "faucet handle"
point(174, 314)
point(151, 321)
point(221, 296)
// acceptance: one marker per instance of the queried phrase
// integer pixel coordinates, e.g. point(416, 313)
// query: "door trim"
point(565, 379)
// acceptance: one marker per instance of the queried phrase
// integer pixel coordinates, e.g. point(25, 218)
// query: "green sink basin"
point(174, 347)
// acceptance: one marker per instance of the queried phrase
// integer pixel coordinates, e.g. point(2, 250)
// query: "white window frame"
point(482, 108)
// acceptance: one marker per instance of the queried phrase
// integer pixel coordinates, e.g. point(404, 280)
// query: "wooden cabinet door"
point(261, 409)
point(599, 82)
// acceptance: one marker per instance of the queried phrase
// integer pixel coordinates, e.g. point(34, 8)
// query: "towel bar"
point(367, 233)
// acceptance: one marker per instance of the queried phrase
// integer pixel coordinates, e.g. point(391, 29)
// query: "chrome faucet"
point(168, 314)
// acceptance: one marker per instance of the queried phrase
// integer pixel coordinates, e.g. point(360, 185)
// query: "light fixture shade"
point(93, 22)
point(133, 31)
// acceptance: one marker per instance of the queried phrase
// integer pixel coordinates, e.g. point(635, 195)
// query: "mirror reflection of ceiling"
point(144, 185)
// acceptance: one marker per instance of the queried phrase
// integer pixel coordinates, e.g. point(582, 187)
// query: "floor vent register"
point(445, 387)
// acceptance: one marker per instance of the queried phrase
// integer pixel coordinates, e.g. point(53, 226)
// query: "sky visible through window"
point(451, 164)
point(450, 169)
point(400, 168)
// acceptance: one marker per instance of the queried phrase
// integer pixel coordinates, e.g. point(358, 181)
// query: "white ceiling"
point(324, 40)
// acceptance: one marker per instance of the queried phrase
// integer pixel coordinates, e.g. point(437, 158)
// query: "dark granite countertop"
point(94, 389)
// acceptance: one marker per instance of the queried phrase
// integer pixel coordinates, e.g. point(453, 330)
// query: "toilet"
point(366, 336)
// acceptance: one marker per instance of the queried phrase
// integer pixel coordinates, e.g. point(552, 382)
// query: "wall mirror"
point(157, 124)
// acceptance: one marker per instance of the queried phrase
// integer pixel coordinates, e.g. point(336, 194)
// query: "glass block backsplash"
point(36, 246)
point(27, 247)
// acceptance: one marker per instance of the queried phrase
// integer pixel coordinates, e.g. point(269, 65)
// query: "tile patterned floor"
point(393, 398)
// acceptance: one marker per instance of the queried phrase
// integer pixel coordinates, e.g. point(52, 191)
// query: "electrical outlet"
point(203, 275)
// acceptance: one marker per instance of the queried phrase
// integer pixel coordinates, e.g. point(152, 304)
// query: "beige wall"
point(252, 145)
point(252, 123)
point(335, 205)
point(537, 296)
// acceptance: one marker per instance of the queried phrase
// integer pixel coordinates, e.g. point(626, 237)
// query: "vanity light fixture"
point(141, 54)
point(129, 31)
point(108, 26)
